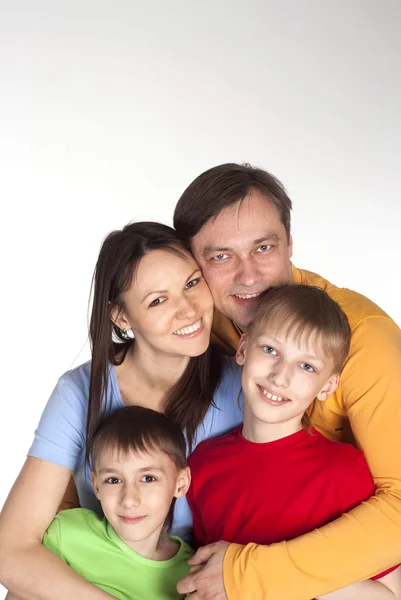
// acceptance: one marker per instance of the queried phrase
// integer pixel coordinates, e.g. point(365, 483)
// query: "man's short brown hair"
point(302, 311)
point(222, 187)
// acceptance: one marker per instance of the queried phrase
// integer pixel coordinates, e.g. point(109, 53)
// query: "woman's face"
point(169, 306)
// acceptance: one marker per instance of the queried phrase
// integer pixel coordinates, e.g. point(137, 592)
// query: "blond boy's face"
point(136, 491)
point(281, 377)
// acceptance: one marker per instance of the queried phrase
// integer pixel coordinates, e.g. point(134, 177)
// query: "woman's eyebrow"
point(154, 292)
point(192, 274)
point(166, 291)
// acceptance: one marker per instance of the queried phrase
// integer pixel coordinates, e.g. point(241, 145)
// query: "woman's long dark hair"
point(189, 399)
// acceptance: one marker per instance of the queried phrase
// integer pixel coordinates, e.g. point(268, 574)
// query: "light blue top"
point(60, 436)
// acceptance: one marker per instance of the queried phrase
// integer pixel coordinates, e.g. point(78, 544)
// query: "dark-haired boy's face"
point(243, 252)
point(136, 491)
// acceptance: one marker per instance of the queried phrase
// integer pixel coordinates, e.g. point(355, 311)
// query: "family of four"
point(208, 343)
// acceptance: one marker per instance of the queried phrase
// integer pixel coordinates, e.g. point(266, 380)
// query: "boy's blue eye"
point(307, 367)
point(268, 350)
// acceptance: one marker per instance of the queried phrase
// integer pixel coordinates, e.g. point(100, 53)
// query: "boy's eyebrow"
point(108, 470)
point(166, 291)
point(269, 237)
point(142, 470)
point(151, 468)
point(313, 357)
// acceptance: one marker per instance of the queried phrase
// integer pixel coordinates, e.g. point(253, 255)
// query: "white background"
point(108, 110)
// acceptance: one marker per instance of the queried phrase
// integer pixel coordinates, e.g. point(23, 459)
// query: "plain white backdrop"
point(109, 109)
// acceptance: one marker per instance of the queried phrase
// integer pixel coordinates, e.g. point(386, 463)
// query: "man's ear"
point(117, 315)
point(183, 482)
point(95, 485)
point(241, 350)
point(290, 246)
point(329, 387)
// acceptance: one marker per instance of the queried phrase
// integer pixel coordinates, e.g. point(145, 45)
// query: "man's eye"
point(157, 302)
point(269, 350)
point(192, 283)
point(220, 257)
point(307, 367)
point(148, 478)
point(113, 480)
point(264, 248)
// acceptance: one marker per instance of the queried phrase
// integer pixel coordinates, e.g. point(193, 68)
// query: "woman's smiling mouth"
point(190, 330)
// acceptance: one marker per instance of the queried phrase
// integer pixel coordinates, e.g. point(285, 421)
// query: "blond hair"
point(302, 311)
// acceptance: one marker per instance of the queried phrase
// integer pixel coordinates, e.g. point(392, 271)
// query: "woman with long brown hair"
point(149, 331)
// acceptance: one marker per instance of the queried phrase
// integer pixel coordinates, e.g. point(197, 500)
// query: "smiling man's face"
point(242, 252)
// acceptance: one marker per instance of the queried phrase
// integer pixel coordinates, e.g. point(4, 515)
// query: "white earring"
point(128, 334)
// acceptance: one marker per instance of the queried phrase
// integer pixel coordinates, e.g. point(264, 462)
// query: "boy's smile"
point(270, 397)
point(132, 520)
point(281, 377)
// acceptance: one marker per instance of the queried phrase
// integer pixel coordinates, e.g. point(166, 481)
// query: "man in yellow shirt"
point(236, 220)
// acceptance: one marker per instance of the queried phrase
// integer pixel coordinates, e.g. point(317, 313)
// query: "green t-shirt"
point(92, 548)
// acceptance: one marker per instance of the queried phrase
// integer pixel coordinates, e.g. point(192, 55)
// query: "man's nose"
point(247, 273)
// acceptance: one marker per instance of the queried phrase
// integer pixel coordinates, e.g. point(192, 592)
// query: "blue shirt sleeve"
point(60, 436)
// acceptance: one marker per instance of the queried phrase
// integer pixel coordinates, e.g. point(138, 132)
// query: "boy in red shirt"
point(275, 477)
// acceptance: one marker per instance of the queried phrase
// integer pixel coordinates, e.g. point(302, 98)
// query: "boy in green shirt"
point(139, 467)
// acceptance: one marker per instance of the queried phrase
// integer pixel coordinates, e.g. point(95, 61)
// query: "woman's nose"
point(186, 310)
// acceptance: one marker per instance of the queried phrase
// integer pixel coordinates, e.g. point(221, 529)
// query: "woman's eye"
point(157, 302)
point(192, 283)
point(307, 367)
point(113, 480)
point(148, 478)
point(269, 350)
